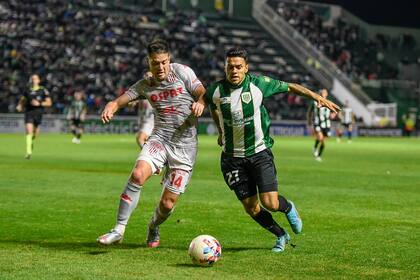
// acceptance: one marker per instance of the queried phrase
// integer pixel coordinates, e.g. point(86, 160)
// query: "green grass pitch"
point(360, 208)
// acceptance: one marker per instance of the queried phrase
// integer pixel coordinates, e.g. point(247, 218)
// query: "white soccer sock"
point(120, 228)
point(159, 217)
point(128, 202)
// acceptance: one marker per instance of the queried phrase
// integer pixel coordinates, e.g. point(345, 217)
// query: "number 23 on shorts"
point(232, 177)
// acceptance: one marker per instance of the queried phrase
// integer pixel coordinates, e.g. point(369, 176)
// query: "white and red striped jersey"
point(171, 100)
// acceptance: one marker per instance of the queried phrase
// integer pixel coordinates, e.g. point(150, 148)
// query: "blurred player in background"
point(320, 119)
point(34, 101)
point(247, 163)
point(347, 120)
point(76, 115)
point(146, 122)
point(176, 95)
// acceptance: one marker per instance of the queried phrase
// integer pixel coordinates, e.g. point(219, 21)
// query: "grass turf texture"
point(360, 208)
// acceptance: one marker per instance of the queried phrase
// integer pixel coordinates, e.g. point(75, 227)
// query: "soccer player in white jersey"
point(247, 163)
point(347, 119)
point(320, 119)
point(176, 95)
point(146, 122)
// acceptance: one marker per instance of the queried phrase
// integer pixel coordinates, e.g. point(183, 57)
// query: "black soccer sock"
point(265, 219)
point(349, 134)
point(284, 205)
point(321, 148)
point(78, 135)
point(316, 144)
point(73, 131)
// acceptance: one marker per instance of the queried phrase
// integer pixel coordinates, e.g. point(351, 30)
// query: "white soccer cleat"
point(315, 153)
point(75, 140)
point(317, 158)
point(111, 237)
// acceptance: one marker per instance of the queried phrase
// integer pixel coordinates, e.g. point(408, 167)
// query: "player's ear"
point(246, 67)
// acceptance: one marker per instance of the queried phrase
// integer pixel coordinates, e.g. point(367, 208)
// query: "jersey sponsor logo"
point(246, 97)
point(164, 95)
point(225, 100)
point(238, 120)
point(267, 79)
point(168, 110)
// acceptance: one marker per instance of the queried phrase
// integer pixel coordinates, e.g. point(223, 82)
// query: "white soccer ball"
point(205, 250)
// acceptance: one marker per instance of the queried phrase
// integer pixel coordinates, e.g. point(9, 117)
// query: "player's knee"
point(271, 205)
point(166, 204)
point(138, 177)
point(252, 210)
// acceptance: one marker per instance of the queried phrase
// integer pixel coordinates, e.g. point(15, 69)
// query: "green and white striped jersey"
point(77, 107)
point(243, 118)
point(321, 116)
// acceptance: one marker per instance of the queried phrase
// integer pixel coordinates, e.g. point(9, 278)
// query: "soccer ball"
point(205, 250)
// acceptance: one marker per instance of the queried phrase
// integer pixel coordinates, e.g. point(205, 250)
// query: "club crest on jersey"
point(246, 97)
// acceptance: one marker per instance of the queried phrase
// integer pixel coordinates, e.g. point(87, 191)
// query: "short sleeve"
point(187, 75)
point(209, 96)
point(271, 86)
point(135, 91)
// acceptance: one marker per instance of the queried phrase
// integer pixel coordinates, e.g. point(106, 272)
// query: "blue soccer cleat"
point(281, 243)
point(294, 220)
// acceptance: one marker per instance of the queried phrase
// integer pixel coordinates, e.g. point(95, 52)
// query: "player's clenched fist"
point(197, 109)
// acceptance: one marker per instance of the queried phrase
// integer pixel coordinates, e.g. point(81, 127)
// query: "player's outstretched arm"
point(197, 107)
point(113, 106)
point(321, 101)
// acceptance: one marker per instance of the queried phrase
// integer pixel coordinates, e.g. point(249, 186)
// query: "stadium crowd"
point(77, 46)
point(343, 43)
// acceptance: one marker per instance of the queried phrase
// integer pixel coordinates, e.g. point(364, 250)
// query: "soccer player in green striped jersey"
point(320, 118)
point(247, 163)
point(76, 116)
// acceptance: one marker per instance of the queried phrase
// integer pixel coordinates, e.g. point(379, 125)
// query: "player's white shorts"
point(146, 127)
point(179, 162)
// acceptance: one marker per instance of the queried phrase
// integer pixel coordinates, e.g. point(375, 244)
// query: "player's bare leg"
point(128, 202)
point(162, 212)
point(320, 139)
point(30, 136)
point(265, 219)
point(349, 133)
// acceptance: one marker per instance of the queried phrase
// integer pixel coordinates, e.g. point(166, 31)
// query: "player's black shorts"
point(34, 117)
point(76, 122)
point(250, 175)
point(325, 131)
point(346, 125)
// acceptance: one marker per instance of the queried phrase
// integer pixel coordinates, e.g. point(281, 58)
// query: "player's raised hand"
point(108, 112)
point(322, 102)
point(197, 108)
